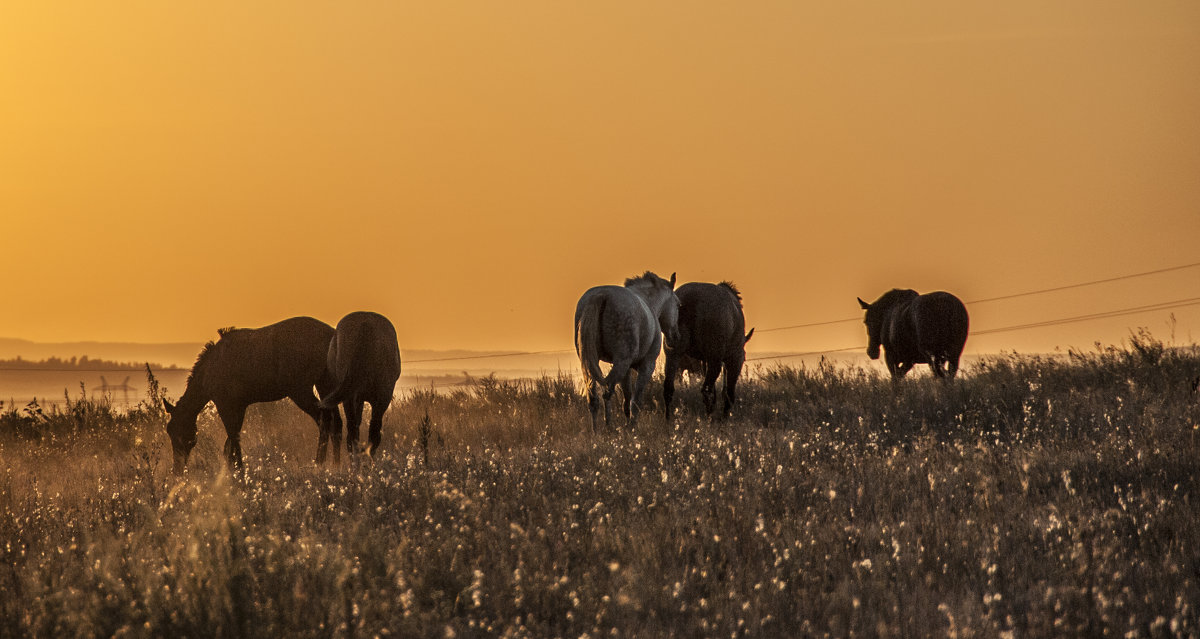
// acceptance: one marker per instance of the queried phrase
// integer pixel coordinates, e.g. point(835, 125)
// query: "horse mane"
point(895, 296)
point(644, 278)
point(204, 353)
point(737, 295)
point(207, 349)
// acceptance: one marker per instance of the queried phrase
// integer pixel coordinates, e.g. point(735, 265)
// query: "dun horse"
point(624, 325)
point(917, 329)
point(246, 366)
point(712, 332)
point(364, 359)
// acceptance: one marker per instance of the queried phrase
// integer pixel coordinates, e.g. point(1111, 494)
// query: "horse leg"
point(308, 403)
point(618, 373)
point(322, 440)
point(627, 396)
point(951, 367)
point(935, 363)
point(897, 368)
point(232, 417)
point(594, 393)
point(379, 406)
point(333, 431)
point(672, 368)
point(354, 411)
point(708, 390)
point(644, 372)
point(733, 370)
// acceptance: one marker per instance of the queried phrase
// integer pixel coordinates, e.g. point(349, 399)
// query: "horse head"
point(668, 312)
point(878, 313)
point(874, 322)
point(182, 431)
point(659, 295)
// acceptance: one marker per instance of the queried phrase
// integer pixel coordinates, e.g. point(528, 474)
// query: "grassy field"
point(1032, 497)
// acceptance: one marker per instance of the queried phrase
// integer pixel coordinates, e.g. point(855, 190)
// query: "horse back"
point(268, 363)
point(941, 322)
point(365, 345)
point(711, 323)
point(625, 328)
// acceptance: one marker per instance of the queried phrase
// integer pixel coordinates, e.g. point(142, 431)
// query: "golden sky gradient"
point(470, 168)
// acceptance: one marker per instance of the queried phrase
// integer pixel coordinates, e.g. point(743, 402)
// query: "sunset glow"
point(470, 169)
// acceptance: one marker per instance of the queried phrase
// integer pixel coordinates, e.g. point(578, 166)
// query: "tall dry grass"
point(1034, 496)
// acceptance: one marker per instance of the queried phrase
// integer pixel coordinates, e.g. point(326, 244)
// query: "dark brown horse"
point(246, 366)
point(364, 359)
point(712, 333)
point(917, 329)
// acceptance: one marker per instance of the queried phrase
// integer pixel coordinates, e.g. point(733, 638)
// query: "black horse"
point(250, 365)
point(364, 359)
point(917, 329)
point(711, 332)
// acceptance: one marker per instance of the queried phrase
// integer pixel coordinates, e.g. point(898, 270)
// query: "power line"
point(807, 354)
point(1091, 283)
point(465, 357)
point(1161, 306)
point(1004, 297)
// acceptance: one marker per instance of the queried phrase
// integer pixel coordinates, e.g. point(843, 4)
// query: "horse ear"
point(748, 336)
point(672, 281)
point(863, 304)
point(169, 406)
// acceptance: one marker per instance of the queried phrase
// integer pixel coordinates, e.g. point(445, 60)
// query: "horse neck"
point(647, 295)
point(195, 396)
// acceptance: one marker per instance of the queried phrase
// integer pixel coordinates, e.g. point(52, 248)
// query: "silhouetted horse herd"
point(700, 325)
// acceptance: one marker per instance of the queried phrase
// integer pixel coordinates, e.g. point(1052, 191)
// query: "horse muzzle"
point(180, 462)
point(873, 351)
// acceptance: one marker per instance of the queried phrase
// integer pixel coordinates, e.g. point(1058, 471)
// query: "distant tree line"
point(81, 363)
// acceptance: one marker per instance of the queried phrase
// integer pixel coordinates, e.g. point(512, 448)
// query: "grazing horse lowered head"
point(624, 325)
point(711, 332)
point(364, 359)
point(917, 329)
point(246, 366)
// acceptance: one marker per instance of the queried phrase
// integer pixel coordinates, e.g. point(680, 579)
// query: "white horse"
point(624, 325)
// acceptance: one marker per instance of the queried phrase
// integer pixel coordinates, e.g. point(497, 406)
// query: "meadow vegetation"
point(1034, 496)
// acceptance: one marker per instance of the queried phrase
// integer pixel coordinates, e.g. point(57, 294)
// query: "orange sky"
point(470, 168)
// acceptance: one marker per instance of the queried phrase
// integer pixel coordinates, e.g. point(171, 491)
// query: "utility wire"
point(1091, 283)
point(1161, 306)
point(1004, 297)
point(464, 357)
point(809, 353)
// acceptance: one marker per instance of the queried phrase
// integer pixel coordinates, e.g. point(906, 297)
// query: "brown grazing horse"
point(246, 366)
point(917, 329)
point(711, 332)
point(364, 360)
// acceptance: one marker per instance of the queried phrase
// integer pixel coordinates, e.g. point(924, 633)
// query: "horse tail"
point(587, 340)
point(346, 359)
